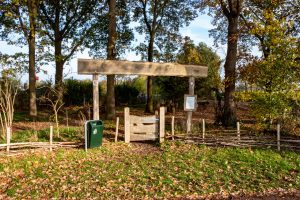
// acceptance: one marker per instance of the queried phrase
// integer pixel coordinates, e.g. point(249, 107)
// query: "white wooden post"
point(8, 138)
point(51, 137)
point(161, 124)
point(190, 113)
point(117, 129)
point(203, 128)
point(238, 131)
point(173, 126)
point(127, 124)
point(278, 137)
point(95, 97)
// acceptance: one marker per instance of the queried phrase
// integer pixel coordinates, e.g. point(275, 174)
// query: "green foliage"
point(174, 170)
point(97, 40)
point(269, 106)
point(79, 92)
point(173, 88)
point(128, 92)
point(160, 21)
point(277, 71)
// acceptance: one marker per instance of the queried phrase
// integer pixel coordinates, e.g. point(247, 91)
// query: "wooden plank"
point(107, 67)
point(238, 131)
point(117, 129)
point(51, 137)
point(173, 126)
point(143, 120)
point(203, 128)
point(142, 137)
point(161, 124)
point(148, 124)
point(8, 138)
point(95, 97)
point(278, 137)
point(143, 128)
point(127, 124)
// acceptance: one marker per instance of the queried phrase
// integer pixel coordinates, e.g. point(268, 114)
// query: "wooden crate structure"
point(138, 128)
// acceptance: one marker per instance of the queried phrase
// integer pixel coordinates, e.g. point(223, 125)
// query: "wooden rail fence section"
point(9, 146)
point(237, 138)
point(139, 128)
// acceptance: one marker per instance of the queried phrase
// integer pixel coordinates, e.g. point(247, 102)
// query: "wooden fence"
point(236, 138)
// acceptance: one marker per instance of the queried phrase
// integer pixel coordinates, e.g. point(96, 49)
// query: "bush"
point(126, 93)
point(79, 92)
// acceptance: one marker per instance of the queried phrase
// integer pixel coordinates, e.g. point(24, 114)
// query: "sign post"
point(190, 104)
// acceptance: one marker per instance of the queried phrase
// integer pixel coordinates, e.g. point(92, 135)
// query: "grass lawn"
point(173, 169)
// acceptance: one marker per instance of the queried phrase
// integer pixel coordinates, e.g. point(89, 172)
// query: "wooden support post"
point(67, 116)
point(51, 137)
point(190, 113)
point(238, 131)
point(95, 97)
point(8, 138)
point(203, 129)
point(117, 129)
point(278, 137)
point(161, 124)
point(127, 124)
point(173, 126)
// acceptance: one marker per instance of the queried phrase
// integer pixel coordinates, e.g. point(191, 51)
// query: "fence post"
point(161, 124)
point(51, 137)
point(127, 124)
point(173, 127)
point(278, 137)
point(203, 128)
point(117, 129)
point(238, 131)
point(67, 116)
point(8, 138)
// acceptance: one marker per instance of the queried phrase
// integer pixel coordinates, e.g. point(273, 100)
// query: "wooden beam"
point(95, 97)
point(107, 67)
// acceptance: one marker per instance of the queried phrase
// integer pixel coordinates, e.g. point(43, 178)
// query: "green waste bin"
point(94, 133)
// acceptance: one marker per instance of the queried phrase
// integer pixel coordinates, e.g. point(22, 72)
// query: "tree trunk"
point(149, 105)
point(59, 67)
point(229, 115)
point(32, 8)
point(111, 55)
point(110, 98)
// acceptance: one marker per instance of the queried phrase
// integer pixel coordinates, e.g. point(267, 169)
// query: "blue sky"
point(197, 31)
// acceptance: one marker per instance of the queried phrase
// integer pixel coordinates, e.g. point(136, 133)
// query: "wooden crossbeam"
point(107, 67)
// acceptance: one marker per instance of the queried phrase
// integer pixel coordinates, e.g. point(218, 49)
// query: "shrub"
point(126, 93)
point(79, 92)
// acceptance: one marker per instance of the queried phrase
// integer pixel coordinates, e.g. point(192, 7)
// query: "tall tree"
point(231, 10)
point(21, 17)
point(66, 24)
point(109, 39)
point(273, 27)
point(157, 20)
point(111, 55)
point(227, 13)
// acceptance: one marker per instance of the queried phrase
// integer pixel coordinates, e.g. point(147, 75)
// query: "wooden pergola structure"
point(109, 67)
